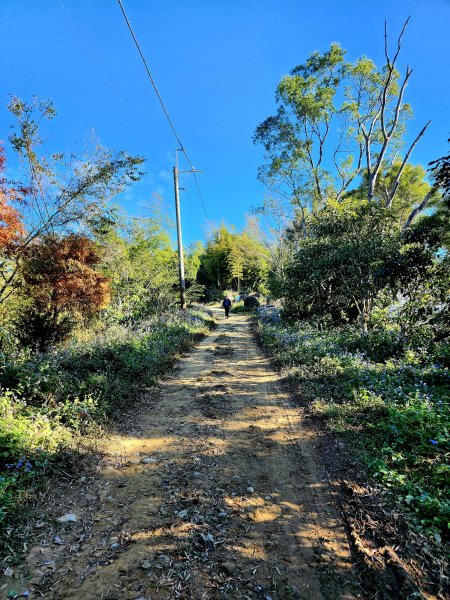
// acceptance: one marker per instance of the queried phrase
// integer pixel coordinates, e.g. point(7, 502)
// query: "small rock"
point(8, 572)
point(222, 514)
point(250, 489)
point(57, 540)
point(114, 546)
point(267, 498)
point(148, 460)
point(197, 460)
point(134, 461)
point(208, 539)
point(68, 518)
point(197, 474)
point(147, 564)
point(229, 567)
point(182, 513)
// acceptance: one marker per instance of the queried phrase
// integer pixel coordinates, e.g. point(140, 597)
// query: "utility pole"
point(179, 238)
point(179, 235)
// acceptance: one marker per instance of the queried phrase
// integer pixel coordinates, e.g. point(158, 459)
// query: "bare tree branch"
point(387, 135)
point(419, 208)
point(405, 160)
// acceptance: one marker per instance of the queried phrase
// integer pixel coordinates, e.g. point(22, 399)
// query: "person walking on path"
point(227, 305)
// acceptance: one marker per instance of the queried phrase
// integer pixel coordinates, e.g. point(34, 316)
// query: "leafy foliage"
point(336, 121)
point(61, 287)
point(11, 224)
point(59, 194)
point(357, 257)
point(233, 260)
point(388, 397)
point(339, 269)
point(141, 265)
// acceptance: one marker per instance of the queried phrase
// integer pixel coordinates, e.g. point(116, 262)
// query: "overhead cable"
point(166, 112)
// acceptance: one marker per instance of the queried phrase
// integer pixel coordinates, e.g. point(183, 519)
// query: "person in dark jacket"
point(227, 305)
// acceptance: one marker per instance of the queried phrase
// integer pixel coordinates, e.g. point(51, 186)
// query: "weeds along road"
point(214, 492)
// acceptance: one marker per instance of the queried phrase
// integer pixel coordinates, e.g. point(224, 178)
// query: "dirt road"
point(216, 493)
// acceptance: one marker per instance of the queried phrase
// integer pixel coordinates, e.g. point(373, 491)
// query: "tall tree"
point(337, 121)
point(63, 194)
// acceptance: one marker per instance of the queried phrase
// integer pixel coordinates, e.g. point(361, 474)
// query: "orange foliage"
point(60, 277)
point(11, 226)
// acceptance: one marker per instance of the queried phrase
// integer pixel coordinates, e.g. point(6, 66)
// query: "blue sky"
point(217, 64)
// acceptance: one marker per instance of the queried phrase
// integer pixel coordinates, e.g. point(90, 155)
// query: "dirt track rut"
point(216, 493)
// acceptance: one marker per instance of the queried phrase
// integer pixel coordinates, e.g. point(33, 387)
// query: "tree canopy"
point(233, 260)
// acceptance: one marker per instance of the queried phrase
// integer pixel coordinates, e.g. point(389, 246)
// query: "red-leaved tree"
point(11, 225)
point(62, 286)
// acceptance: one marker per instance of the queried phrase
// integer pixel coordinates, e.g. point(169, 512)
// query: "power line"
point(166, 112)
point(199, 193)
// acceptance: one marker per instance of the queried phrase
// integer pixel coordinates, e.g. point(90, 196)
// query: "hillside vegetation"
point(362, 272)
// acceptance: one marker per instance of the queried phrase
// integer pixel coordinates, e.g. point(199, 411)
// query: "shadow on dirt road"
point(214, 492)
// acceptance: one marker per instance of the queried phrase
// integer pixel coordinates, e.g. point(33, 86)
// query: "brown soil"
point(230, 503)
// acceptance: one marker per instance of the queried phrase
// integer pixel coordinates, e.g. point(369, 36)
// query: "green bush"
point(28, 441)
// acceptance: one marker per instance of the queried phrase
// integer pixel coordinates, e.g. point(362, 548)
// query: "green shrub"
point(48, 399)
point(388, 396)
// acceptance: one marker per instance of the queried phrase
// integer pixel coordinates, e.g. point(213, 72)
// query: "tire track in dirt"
point(215, 494)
